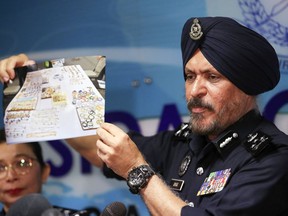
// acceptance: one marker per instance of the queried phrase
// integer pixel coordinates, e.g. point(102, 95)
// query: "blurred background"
point(144, 82)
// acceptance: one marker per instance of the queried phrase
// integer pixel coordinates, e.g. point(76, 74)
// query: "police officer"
point(228, 160)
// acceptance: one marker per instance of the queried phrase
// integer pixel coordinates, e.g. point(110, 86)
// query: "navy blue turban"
point(238, 53)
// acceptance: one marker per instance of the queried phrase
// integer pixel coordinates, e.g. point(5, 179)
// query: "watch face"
point(136, 178)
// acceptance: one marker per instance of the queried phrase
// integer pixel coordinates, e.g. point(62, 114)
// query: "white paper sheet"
point(54, 103)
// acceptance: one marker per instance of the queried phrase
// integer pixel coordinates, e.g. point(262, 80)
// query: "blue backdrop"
point(144, 83)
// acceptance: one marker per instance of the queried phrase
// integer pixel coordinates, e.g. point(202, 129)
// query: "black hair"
point(35, 147)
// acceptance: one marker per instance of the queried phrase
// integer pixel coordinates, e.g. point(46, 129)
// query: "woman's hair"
point(35, 146)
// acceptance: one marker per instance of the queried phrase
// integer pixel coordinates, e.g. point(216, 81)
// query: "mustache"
point(197, 102)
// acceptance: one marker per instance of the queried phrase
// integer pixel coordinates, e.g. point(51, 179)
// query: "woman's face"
point(14, 185)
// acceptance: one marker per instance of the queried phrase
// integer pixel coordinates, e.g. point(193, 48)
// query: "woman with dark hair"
point(22, 171)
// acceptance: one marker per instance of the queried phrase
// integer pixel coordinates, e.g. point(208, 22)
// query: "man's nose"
point(198, 88)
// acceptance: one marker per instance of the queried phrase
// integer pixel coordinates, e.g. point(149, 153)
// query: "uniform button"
point(191, 204)
point(200, 171)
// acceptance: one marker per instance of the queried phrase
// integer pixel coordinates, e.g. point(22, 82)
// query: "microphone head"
point(29, 205)
point(52, 212)
point(114, 209)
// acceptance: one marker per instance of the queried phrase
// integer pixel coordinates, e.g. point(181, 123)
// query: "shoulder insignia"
point(256, 142)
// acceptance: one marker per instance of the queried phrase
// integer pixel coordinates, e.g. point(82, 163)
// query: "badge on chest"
point(177, 184)
point(215, 182)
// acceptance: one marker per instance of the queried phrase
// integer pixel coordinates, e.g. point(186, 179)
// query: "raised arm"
point(86, 146)
point(121, 154)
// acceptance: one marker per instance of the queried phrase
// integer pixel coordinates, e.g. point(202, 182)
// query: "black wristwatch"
point(138, 178)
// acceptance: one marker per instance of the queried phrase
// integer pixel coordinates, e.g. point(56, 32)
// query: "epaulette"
point(256, 142)
point(183, 132)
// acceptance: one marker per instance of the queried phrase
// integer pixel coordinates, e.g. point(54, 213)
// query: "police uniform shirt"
point(250, 159)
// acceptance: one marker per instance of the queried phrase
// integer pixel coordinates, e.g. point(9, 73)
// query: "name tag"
point(177, 184)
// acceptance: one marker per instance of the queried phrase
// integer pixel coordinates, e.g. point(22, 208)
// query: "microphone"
point(64, 212)
point(52, 212)
point(114, 209)
point(29, 205)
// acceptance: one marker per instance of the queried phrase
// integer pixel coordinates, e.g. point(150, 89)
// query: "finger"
point(4, 76)
point(14, 62)
point(103, 151)
point(29, 62)
point(112, 129)
point(100, 148)
point(105, 136)
point(7, 66)
point(20, 60)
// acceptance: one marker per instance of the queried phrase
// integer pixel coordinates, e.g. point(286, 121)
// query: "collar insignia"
point(183, 132)
point(226, 141)
point(196, 30)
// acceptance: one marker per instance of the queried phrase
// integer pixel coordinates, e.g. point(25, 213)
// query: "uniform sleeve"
point(156, 149)
point(259, 187)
